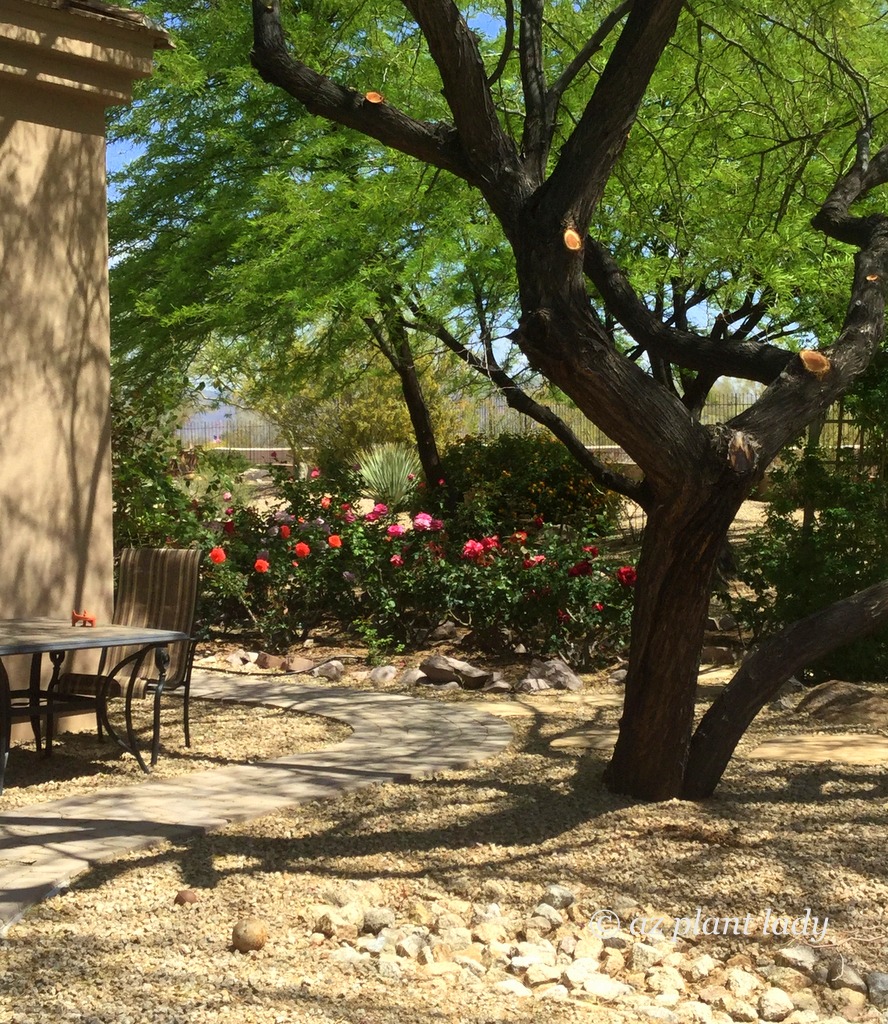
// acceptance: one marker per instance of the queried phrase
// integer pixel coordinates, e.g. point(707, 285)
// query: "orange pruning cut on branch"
point(815, 363)
point(573, 239)
point(374, 97)
point(872, 277)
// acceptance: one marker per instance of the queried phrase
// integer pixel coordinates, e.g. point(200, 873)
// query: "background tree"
point(263, 249)
point(545, 176)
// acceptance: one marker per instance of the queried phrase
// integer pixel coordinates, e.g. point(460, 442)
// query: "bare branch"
point(588, 51)
point(692, 351)
point(519, 400)
point(508, 44)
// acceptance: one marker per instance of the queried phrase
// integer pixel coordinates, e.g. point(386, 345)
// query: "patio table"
point(57, 638)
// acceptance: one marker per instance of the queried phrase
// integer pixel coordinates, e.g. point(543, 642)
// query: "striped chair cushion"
point(157, 588)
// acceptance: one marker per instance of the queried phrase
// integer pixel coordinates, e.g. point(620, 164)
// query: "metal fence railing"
point(261, 440)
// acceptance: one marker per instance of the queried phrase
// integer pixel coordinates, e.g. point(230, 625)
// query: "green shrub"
point(795, 568)
point(506, 482)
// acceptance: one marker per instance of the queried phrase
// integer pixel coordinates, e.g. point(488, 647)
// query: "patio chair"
point(157, 588)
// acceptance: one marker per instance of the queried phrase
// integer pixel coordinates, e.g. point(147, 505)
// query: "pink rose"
point(396, 560)
point(396, 530)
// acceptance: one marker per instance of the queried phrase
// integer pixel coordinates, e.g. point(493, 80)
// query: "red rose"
point(302, 550)
point(334, 540)
point(285, 532)
point(627, 575)
point(217, 555)
point(228, 526)
point(260, 565)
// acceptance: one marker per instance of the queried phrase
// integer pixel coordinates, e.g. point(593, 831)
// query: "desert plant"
point(388, 473)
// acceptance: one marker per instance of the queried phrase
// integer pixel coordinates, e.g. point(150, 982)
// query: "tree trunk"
point(682, 541)
point(426, 445)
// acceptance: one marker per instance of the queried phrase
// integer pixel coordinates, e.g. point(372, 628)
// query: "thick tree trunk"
point(681, 544)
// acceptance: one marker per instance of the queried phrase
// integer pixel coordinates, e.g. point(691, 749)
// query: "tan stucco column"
point(61, 65)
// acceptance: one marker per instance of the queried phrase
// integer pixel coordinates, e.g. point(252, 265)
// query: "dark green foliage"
point(794, 568)
point(506, 482)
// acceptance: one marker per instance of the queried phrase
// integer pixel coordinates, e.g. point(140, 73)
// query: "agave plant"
point(388, 472)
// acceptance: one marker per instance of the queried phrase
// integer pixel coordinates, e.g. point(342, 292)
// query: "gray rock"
point(842, 975)
point(390, 969)
point(497, 685)
point(642, 957)
point(413, 677)
point(446, 631)
point(619, 676)
point(442, 669)
point(549, 913)
point(377, 918)
point(774, 1004)
point(727, 622)
point(556, 673)
point(531, 685)
point(558, 896)
point(877, 987)
point(331, 670)
point(383, 674)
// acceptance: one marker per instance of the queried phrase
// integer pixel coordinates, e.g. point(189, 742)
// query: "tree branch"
point(488, 150)
point(437, 144)
point(766, 670)
point(508, 44)
point(746, 359)
point(520, 401)
point(588, 51)
point(536, 137)
point(588, 157)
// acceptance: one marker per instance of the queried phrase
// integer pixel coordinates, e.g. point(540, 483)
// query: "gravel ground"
point(779, 836)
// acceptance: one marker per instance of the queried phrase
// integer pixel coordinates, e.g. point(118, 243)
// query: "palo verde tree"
point(546, 169)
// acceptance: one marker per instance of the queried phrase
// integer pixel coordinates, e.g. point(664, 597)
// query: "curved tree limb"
point(488, 150)
point(587, 159)
point(589, 49)
point(766, 670)
point(747, 359)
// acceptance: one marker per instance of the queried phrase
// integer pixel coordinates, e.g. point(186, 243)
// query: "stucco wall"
point(61, 65)
point(55, 519)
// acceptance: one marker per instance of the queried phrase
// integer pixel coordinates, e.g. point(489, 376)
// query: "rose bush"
point(318, 557)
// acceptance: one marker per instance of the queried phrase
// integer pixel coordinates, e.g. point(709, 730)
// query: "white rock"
point(513, 987)
point(576, 973)
point(774, 1005)
point(642, 957)
point(741, 983)
point(603, 987)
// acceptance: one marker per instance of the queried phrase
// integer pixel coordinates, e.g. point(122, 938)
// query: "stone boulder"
point(441, 669)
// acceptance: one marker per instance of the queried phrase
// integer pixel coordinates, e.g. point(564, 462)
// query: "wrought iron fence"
point(261, 441)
